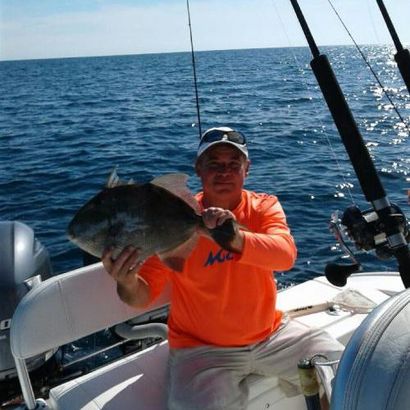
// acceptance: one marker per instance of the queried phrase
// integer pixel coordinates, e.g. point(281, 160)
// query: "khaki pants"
point(215, 378)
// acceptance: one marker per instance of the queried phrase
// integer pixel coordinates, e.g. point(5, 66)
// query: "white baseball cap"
point(222, 135)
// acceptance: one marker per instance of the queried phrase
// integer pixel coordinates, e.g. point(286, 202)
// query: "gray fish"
point(160, 217)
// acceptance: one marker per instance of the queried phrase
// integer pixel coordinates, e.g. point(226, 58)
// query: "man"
point(223, 325)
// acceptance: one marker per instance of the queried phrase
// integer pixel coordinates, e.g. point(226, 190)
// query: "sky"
point(31, 29)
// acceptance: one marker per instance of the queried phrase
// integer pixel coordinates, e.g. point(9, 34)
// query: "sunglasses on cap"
point(219, 135)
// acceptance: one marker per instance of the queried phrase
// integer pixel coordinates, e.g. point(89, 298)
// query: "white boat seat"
point(66, 308)
point(134, 382)
point(374, 371)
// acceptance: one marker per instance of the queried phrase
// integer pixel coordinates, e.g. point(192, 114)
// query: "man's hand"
point(131, 288)
point(124, 267)
point(214, 217)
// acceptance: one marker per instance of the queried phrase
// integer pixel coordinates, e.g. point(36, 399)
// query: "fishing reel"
point(367, 232)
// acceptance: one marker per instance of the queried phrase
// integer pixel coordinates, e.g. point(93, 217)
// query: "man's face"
point(222, 170)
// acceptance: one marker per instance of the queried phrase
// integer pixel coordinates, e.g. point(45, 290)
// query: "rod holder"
point(309, 384)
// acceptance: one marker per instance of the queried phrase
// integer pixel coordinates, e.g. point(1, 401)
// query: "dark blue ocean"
point(65, 123)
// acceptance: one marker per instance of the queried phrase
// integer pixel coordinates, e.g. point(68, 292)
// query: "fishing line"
point(317, 108)
point(376, 34)
point(228, 72)
point(198, 114)
point(370, 67)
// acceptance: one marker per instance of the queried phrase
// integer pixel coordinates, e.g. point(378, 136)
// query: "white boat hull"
point(138, 381)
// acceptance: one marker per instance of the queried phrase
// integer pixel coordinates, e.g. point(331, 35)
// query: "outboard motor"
point(24, 262)
point(374, 371)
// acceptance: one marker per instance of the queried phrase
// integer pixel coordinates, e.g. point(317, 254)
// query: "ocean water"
point(65, 123)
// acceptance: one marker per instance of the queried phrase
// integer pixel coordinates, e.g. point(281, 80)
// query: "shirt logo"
point(220, 257)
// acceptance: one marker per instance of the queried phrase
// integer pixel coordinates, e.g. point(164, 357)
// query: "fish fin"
point(224, 234)
point(175, 259)
point(177, 185)
point(114, 180)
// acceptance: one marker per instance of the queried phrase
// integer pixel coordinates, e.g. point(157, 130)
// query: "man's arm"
point(273, 246)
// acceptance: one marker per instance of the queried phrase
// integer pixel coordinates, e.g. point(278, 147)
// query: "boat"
point(139, 380)
point(367, 311)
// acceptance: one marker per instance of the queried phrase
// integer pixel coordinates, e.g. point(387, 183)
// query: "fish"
point(160, 217)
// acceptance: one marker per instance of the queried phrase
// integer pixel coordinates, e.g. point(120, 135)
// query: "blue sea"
point(65, 123)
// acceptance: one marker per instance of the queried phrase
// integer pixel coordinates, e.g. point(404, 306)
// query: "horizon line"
point(188, 51)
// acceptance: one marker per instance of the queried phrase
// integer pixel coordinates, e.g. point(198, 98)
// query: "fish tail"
point(224, 234)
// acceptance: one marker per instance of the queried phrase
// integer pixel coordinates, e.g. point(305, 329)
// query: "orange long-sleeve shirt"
point(225, 299)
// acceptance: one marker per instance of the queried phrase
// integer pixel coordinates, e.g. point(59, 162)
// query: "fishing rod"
point(198, 114)
point(402, 56)
point(386, 219)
